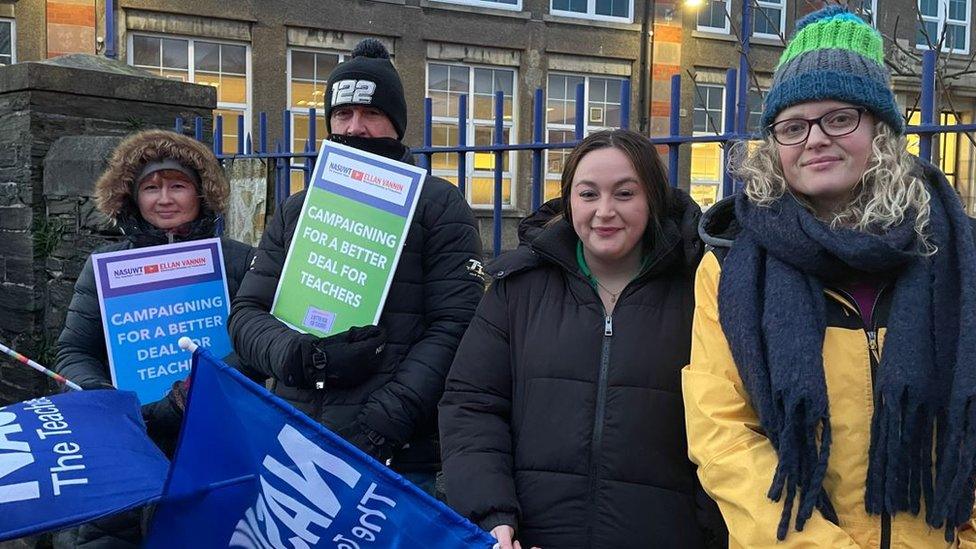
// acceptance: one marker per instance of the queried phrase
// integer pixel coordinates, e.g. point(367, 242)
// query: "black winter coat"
point(435, 290)
point(568, 423)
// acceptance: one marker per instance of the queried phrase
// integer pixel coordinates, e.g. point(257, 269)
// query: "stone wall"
point(47, 223)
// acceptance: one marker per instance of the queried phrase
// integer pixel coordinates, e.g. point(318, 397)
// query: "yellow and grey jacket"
point(735, 459)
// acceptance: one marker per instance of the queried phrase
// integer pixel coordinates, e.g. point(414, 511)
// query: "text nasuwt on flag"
point(252, 471)
point(74, 457)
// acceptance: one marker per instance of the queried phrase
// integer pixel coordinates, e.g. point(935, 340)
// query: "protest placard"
point(149, 298)
point(348, 240)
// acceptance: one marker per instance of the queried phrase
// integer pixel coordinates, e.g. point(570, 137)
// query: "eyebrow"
point(615, 184)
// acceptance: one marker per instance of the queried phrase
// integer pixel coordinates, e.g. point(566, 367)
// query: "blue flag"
point(252, 471)
point(74, 457)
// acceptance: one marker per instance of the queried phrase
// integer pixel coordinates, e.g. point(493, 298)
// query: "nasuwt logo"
point(366, 177)
point(170, 266)
point(161, 267)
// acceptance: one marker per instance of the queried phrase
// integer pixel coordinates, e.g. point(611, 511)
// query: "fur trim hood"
point(113, 190)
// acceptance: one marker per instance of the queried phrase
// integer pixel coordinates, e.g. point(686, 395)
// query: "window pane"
point(932, 28)
point(504, 81)
point(324, 63)
point(230, 128)
point(233, 59)
point(5, 60)
point(299, 133)
point(303, 94)
point(556, 86)
point(482, 190)
point(955, 36)
point(458, 80)
point(712, 14)
point(440, 103)
point(232, 89)
point(929, 7)
point(206, 56)
point(302, 65)
point(145, 51)
point(437, 76)
point(444, 135)
point(484, 107)
point(5, 27)
point(706, 162)
point(175, 53)
point(767, 20)
point(957, 10)
point(483, 81)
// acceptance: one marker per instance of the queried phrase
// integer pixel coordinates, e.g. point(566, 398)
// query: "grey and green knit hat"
point(834, 54)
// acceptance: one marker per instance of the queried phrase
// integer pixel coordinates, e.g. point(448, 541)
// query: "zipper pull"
point(872, 340)
point(608, 325)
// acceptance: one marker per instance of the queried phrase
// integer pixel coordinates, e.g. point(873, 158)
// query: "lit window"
point(219, 64)
point(601, 97)
point(948, 144)
point(605, 10)
point(446, 83)
point(768, 18)
point(950, 17)
point(707, 158)
point(8, 42)
point(308, 76)
point(712, 16)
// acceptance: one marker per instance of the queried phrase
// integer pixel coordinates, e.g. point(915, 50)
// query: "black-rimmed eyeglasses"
point(836, 123)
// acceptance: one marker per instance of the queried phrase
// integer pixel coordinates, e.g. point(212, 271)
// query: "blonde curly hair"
point(889, 189)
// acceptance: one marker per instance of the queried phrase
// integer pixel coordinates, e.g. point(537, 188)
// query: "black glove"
point(369, 441)
point(165, 416)
point(344, 360)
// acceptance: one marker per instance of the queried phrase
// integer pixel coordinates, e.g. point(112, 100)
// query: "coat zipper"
point(598, 419)
point(874, 354)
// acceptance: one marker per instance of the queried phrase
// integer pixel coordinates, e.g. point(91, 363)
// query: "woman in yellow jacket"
point(830, 396)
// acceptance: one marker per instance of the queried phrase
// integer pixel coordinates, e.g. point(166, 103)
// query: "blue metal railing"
point(287, 161)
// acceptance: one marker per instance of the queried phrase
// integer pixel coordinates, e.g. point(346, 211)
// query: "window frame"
point(591, 13)
point(484, 4)
point(727, 29)
point(773, 4)
point(587, 127)
point(474, 123)
point(191, 73)
point(13, 38)
point(941, 18)
point(720, 124)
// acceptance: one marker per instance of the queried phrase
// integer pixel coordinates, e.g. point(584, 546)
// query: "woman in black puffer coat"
point(562, 420)
point(160, 187)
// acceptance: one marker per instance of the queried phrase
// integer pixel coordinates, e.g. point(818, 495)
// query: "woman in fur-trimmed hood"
point(160, 187)
point(149, 152)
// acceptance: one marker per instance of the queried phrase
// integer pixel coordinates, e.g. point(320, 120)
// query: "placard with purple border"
point(348, 240)
point(149, 298)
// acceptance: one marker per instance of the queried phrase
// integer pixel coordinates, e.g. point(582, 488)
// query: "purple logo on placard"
point(320, 320)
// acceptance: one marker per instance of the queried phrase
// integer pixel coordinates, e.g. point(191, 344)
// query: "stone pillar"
point(47, 224)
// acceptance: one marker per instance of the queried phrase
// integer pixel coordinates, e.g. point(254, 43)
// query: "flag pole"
point(21, 358)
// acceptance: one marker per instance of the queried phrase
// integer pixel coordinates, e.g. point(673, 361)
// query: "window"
point(601, 97)
point(225, 66)
point(867, 9)
point(712, 16)
point(514, 5)
point(707, 158)
point(949, 16)
point(755, 106)
point(446, 83)
point(769, 18)
point(8, 42)
point(948, 144)
point(308, 75)
point(604, 10)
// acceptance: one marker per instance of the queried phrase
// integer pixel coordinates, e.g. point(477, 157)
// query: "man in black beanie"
point(377, 386)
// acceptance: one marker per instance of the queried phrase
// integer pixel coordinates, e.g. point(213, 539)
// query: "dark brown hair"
point(646, 161)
